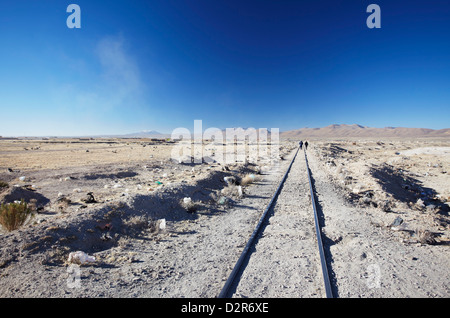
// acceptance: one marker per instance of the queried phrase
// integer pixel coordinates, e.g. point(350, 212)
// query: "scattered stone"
point(89, 198)
point(162, 224)
point(398, 220)
point(189, 205)
point(240, 193)
point(431, 208)
point(230, 180)
point(223, 200)
point(399, 224)
point(105, 237)
point(105, 226)
point(420, 204)
point(80, 258)
point(386, 205)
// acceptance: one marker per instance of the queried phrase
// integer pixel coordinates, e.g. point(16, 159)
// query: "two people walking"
point(301, 144)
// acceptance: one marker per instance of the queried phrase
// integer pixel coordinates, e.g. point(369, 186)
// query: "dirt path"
point(285, 261)
point(365, 259)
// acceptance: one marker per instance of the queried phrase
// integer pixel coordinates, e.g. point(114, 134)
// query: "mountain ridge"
point(355, 130)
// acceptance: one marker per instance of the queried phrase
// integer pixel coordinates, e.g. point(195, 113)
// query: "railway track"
point(284, 256)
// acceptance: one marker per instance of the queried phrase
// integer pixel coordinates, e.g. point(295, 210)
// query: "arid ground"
point(385, 206)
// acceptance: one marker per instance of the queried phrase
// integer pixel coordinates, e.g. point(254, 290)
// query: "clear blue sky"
point(161, 64)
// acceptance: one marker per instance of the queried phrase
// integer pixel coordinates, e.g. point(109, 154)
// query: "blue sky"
point(161, 64)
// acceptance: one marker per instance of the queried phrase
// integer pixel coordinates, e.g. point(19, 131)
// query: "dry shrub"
point(189, 205)
point(248, 179)
point(232, 191)
point(135, 224)
point(425, 237)
point(14, 215)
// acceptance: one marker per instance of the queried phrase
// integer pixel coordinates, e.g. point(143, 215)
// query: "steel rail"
point(326, 277)
point(237, 267)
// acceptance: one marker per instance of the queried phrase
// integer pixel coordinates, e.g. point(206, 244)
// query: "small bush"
point(14, 215)
point(232, 191)
point(248, 179)
point(3, 185)
point(189, 205)
point(425, 237)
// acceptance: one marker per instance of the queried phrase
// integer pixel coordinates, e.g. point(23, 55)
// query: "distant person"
point(301, 144)
point(306, 145)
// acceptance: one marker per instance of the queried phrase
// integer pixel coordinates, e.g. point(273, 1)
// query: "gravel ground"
point(366, 258)
point(195, 253)
point(285, 261)
point(191, 257)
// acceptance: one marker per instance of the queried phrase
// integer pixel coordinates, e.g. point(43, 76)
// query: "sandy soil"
point(363, 187)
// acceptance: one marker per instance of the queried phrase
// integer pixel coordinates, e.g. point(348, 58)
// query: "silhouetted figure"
point(301, 144)
point(306, 145)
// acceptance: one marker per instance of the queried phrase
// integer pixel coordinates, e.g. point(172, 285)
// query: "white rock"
point(162, 224)
point(240, 191)
point(80, 257)
point(187, 200)
point(230, 180)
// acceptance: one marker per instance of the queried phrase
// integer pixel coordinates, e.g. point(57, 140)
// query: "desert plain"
point(160, 228)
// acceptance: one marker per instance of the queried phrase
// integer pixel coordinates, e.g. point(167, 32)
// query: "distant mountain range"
point(144, 134)
point(331, 131)
point(140, 134)
point(340, 131)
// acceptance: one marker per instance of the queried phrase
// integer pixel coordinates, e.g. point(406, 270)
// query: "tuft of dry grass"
point(3, 185)
point(248, 179)
point(139, 223)
point(232, 191)
point(135, 224)
point(14, 215)
point(425, 237)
